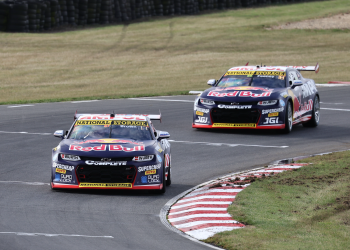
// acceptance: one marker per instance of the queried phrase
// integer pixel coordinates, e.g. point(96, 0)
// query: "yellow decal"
point(281, 77)
point(230, 73)
point(150, 172)
point(130, 123)
point(199, 113)
point(59, 170)
point(117, 185)
point(273, 114)
point(241, 125)
point(270, 73)
point(93, 122)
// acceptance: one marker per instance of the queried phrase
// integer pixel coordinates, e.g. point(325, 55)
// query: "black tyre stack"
point(92, 9)
point(4, 15)
point(104, 13)
point(18, 18)
point(71, 12)
point(41, 15)
point(64, 13)
point(32, 16)
point(83, 12)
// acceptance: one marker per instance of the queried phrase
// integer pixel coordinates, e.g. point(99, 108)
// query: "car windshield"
point(98, 129)
point(269, 79)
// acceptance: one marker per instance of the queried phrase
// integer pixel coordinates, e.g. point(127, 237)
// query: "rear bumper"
point(70, 186)
point(280, 126)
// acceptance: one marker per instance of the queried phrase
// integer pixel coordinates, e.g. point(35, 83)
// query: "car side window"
point(292, 76)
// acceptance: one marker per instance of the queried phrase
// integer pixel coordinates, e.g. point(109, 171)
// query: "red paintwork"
point(70, 186)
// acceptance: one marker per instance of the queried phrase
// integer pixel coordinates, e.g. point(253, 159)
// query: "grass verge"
point(167, 56)
point(304, 209)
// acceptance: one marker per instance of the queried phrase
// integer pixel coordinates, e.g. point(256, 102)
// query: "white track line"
point(337, 109)
point(19, 106)
point(200, 209)
point(85, 101)
point(229, 145)
point(205, 233)
point(167, 100)
point(52, 235)
point(207, 197)
point(336, 103)
point(8, 132)
point(26, 183)
point(202, 203)
point(196, 223)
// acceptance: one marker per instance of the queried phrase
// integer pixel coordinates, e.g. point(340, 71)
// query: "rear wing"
point(103, 116)
point(307, 68)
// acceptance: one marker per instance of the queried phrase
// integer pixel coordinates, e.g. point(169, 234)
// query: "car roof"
point(126, 117)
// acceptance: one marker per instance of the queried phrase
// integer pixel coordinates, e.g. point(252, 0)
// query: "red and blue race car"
point(259, 97)
point(112, 151)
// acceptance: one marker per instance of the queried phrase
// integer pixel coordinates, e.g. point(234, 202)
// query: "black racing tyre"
point(168, 181)
point(315, 119)
point(288, 120)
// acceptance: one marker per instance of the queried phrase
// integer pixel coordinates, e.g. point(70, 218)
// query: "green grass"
point(167, 56)
point(304, 209)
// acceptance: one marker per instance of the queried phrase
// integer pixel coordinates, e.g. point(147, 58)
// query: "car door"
point(297, 94)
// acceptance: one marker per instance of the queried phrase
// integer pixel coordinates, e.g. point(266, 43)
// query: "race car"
point(259, 97)
point(112, 151)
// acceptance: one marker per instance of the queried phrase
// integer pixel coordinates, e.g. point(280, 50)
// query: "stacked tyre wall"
point(40, 15)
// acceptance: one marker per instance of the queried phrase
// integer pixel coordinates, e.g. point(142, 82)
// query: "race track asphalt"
point(34, 217)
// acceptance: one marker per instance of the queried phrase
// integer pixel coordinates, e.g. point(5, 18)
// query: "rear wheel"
point(315, 119)
point(288, 120)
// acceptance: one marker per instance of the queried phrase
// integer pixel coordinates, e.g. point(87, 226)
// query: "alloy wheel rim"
point(290, 116)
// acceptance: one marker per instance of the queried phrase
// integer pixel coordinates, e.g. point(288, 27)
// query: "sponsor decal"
point(148, 172)
point(159, 158)
point(104, 163)
point(87, 149)
point(243, 88)
point(146, 168)
point(202, 120)
point(199, 113)
point(111, 122)
point(159, 148)
point(108, 117)
point(202, 110)
point(230, 73)
point(268, 111)
point(61, 171)
point(66, 167)
point(308, 89)
point(240, 125)
point(284, 94)
point(273, 114)
point(165, 144)
point(239, 94)
point(117, 185)
point(143, 158)
point(271, 120)
point(282, 103)
point(153, 178)
point(167, 160)
point(221, 106)
point(125, 149)
point(144, 179)
point(302, 109)
point(110, 141)
point(70, 157)
point(66, 178)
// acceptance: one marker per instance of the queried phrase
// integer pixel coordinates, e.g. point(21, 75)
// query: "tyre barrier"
point(40, 15)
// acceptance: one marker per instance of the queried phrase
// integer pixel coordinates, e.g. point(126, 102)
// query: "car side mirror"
point(211, 82)
point(59, 134)
point(163, 135)
point(295, 83)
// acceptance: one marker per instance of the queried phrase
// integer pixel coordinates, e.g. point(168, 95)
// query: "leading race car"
point(254, 97)
point(112, 151)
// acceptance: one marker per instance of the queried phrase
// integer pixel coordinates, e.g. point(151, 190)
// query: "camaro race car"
point(112, 151)
point(254, 97)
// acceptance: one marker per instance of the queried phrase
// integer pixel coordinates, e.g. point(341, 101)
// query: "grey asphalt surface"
point(130, 217)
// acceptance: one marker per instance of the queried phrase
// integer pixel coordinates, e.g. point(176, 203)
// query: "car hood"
point(242, 94)
point(107, 147)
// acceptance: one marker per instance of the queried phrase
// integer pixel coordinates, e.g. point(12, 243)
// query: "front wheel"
point(315, 118)
point(288, 120)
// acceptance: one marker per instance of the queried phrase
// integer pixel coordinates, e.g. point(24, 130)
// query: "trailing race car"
point(112, 151)
point(254, 97)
